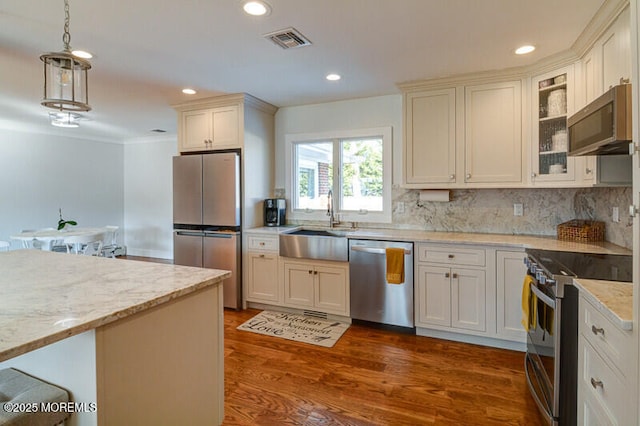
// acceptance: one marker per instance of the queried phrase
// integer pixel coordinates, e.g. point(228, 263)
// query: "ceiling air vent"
point(288, 38)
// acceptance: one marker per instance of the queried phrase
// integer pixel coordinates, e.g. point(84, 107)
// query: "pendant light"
point(65, 76)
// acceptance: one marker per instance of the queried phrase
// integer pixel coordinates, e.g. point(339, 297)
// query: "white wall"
point(363, 113)
point(40, 174)
point(148, 200)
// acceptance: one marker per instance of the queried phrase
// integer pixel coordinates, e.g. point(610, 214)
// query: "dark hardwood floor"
point(371, 377)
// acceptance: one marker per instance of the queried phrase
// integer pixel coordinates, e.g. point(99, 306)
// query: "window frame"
point(336, 137)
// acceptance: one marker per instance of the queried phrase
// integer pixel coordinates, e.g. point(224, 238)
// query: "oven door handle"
point(541, 296)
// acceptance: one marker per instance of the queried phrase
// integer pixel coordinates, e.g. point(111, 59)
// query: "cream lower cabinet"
point(452, 297)
point(316, 285)
point(510, 272)
point(260, 269)
point(606, 370)
point(449, 294)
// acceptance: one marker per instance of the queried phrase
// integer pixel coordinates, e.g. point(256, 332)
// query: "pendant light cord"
point(66, 37)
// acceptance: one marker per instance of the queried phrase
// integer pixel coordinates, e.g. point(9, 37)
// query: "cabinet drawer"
point(614, 343)
point(262, 243)
point(451, 256)
point(600, 382)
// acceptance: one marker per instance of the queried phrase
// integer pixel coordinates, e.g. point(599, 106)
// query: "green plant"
point(62, 223)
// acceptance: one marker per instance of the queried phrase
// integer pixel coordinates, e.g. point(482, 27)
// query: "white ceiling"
point(146, 51)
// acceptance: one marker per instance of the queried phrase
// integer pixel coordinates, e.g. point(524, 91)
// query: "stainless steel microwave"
point(604, 126)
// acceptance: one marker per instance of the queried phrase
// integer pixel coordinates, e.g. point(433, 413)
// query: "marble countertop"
point(613, 299)
point(502, 240)
point(46, 297)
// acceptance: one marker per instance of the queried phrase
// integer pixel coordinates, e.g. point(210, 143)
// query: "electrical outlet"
point(518, 209)
point(616, 214)
point(400, 208)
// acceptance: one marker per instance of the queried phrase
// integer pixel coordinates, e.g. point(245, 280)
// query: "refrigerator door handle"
point(218, 235)
point(190, 233)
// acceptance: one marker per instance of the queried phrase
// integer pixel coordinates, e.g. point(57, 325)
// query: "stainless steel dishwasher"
point(373, 299)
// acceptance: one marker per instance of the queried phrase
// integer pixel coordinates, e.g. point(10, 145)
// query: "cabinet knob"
point(451, 256)
point(262, 243)
point(310, 272)
point(597, 383)
point(315, 272)
point(455, 276)
point(262, 255)
point(595, 330)
point(534, 174)
point(468, 175)
point(452, 177)
point(588, 171)
point(447, 275)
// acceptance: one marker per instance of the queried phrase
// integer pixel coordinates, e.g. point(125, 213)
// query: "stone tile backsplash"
point(491, 211)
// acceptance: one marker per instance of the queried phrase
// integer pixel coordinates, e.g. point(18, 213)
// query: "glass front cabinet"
point(553, 101)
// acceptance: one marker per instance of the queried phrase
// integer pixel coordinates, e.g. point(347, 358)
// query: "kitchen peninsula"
point(142, 340)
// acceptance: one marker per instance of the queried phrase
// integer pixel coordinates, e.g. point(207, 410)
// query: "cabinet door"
point(433, 296)
point(298, 284)
point(493, 133)
point(615, 51)
point(331, 290)
point(510, 273)
point(225, 130)
point(553, 101)
point(196, 130)
point(430, 140)
point(262, 279)
point(468, 299)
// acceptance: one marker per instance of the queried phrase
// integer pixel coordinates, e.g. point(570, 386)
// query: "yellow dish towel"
point(395, 265)
point(529, 304)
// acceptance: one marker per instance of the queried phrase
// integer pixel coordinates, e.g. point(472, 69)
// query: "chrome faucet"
point(332, 220)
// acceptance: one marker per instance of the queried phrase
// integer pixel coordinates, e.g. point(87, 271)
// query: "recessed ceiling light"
point(256, 8)
point(523, 50)
point(188, 91)
point(82, 54)
point(333, 77)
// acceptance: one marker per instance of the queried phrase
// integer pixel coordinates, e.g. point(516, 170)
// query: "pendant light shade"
point(65, 82)
point(65, 76)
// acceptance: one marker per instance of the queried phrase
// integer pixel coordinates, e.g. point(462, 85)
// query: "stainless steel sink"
point(315, 244)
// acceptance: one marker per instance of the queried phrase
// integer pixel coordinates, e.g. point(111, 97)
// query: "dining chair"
point(110, 241)
point(89, 245)
point(5, 245)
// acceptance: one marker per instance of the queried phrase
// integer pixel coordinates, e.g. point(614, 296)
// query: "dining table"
point(48, 236)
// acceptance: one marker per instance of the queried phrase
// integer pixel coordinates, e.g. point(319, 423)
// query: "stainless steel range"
point(552, 338)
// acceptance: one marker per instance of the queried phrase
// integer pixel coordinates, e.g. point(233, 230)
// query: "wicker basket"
point(581, 230)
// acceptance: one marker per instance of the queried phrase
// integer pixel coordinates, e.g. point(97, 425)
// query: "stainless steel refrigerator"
point(206, 216)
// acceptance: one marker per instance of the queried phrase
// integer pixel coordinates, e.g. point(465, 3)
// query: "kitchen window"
point(354, 165)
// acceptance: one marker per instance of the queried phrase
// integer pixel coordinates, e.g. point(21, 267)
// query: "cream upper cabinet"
point(209, 129)
point(430, 142)
point(614, 48)
point(464, 136)
point(493, 133)
point(553, 102)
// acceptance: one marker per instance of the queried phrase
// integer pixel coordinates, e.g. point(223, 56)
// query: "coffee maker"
point(275, 211)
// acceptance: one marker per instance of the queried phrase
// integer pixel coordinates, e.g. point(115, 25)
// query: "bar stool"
point(17, 387)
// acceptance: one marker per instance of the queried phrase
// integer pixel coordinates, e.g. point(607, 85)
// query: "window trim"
point(345, 216)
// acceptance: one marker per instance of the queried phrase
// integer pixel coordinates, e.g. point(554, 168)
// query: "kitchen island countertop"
point(46, 297)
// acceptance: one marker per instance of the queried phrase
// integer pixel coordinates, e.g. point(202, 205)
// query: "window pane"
point(362, 178)
point(313, 174)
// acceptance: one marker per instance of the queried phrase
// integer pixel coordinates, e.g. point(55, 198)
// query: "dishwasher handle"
point(372, 250)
